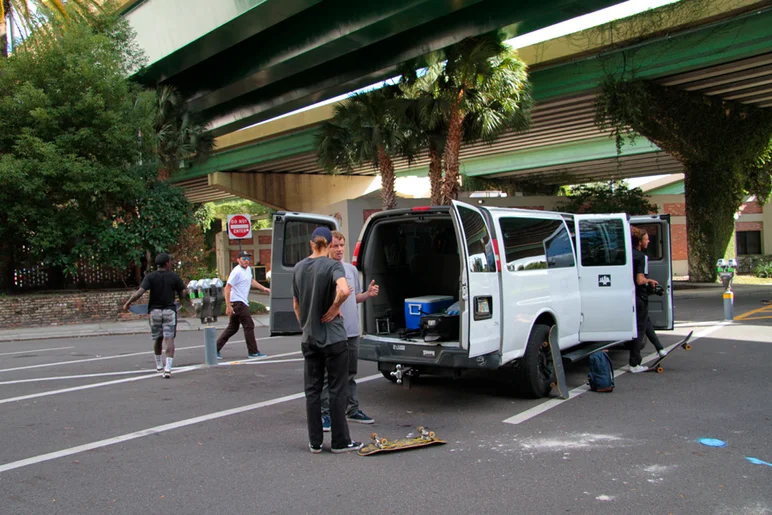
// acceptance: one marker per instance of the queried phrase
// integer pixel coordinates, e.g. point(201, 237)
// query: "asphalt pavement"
point(88, 427)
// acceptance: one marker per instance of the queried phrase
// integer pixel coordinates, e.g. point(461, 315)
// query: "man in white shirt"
point(350, 314)
point(237, 305)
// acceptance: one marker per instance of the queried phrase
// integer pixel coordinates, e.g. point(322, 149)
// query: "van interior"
point(408, 256)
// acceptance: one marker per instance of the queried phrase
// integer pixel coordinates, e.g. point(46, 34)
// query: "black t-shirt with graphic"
point(639, 267)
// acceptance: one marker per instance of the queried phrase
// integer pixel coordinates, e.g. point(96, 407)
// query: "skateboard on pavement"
point(141, 309)
point(657, 366)
point(380, 444)
point(559, 374)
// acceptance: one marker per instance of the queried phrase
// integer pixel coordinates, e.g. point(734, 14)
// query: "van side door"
point(605, 278)
point(660, 263)
point(480, 288)
point(290, 244)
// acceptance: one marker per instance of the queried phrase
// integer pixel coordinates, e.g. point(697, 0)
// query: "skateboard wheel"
point(553, 385)
point(660, 370)
point(420, 429)
point(374, 436)
point(431, 434)
point(384, 441)
point(687, 347)
point(545, 344)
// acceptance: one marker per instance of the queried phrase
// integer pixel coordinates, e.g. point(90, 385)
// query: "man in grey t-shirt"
point(319, 290)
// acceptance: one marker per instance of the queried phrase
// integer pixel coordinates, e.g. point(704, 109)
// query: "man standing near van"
point(162, 283)
point(319, 290)
point(350, 315)
point(236, 294)
point(641, 298)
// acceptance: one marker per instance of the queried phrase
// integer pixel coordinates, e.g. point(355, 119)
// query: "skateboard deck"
point(141, 309)
point(559, 381)
point(657, 365)
point(380, 444)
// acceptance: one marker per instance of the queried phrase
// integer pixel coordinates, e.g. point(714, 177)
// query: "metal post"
point(728, 305)
point(210, 345)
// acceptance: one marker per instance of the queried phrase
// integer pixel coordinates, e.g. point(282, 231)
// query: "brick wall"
point(65, 308)
point(678, 237)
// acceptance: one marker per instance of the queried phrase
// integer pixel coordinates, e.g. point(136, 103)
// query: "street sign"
point(239, 227)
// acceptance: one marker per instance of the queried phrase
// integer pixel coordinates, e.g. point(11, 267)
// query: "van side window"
point(297, 236)
point(535, 244)
point(603, 242)
point(478, 241)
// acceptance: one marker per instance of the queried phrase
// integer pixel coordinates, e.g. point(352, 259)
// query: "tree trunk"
point(710, 222)
point(388, 180)
point(4, 30)
point(452, 149)
point(435, 175)
point(7, 266)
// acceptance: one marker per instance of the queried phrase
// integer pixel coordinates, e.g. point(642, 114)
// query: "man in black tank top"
point(163, 284)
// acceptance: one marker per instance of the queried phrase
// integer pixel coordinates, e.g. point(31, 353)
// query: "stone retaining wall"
point(70, 307)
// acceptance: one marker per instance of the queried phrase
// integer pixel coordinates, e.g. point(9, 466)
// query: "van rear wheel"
point(535, 374)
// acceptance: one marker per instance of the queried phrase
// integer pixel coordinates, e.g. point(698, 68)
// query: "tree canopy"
point(607, 197)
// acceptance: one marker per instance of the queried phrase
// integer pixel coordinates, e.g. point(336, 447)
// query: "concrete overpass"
point(727, 53)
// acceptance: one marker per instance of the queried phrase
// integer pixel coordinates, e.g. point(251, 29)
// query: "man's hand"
point(372, 289)
point(126, 306)
point(266, 290)
point(653, 282)
point(228, 310)
point(331, 314)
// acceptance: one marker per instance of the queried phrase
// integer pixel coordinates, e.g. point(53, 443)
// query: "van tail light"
point(496, 253)
point(355, 258)
point(420, 208)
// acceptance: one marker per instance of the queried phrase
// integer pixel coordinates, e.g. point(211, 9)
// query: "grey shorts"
point(163, 322)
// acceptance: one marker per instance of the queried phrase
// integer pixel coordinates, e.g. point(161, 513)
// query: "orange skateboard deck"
point(380, 444)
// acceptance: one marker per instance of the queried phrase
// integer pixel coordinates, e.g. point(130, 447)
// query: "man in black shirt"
point(639, 237)
point(162, 283)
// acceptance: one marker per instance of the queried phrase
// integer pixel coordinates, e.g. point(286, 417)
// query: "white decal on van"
point(398, 347)
point(429, 353)
point(604, 281)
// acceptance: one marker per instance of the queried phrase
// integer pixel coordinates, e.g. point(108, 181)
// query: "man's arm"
point(296, 307)
point(137, 294)
point(372, 291)
point(342, 292)
point(227, 293)
point(259, 286)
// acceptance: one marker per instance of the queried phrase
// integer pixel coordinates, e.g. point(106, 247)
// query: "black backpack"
point(601, 374)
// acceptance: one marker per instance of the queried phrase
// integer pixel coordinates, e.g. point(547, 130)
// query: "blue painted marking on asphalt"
point(712, 442)
point(757, 461)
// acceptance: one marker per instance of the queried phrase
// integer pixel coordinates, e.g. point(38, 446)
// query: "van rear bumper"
point(423, 356)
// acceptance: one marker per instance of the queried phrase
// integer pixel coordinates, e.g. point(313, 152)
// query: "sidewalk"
point(110, 328)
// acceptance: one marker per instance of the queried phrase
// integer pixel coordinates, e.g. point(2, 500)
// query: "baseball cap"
point(324, 232)
point(244, 254)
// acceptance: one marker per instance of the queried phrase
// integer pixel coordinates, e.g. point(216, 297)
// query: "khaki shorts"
point(163, 322)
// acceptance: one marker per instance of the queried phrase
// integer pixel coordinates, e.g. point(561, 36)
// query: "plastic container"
point(426, 305)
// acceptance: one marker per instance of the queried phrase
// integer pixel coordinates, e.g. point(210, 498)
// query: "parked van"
point(512, 276)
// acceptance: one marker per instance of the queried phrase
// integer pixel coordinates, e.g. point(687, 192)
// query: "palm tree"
point(483, 92)
point(29, 15)
point(178, 135)
point(363, 130)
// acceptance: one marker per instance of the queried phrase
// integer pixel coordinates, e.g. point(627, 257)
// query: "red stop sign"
point(239, 226)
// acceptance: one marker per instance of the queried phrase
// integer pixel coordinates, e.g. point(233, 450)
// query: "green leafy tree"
point(607, 197)
point(70, 182)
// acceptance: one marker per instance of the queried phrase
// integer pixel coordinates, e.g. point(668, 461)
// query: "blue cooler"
point(427, 305)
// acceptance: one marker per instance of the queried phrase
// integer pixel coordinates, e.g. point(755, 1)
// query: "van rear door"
point(605, 278)
point(480, 289)
point(660, 266)
point(290, 243)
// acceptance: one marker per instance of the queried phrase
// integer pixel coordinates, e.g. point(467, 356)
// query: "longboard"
point(380, 444)
point(657, 366)
point(559, 381)
point(141, 309)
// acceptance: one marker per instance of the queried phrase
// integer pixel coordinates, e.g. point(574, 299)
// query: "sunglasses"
point(246, 258)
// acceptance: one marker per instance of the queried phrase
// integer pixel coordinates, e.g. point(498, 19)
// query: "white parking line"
point(34, 350)
point(80, 376)
point(157, 429)
point(579, 390)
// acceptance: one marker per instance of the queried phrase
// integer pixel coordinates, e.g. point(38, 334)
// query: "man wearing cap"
point(319, 290)
point(236, 294)
point(162, 283)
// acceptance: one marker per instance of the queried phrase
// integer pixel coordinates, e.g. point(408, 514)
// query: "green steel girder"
point(336, 46)
point(711, 45)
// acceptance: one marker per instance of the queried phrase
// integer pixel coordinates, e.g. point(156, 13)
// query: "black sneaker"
point(316, 449)
point(353, 446)
point(359, 416)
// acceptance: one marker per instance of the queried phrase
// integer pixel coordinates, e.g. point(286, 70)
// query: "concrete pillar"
point(291, 191)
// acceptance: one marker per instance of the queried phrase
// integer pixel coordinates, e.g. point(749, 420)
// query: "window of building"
point(603, 242)
point(478, 241)
point(748, 242)
point(536, 244)
point(297, 237)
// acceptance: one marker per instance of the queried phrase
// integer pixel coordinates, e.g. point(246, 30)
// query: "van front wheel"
point(534, 375)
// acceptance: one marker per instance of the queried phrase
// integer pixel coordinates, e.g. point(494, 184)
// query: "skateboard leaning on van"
point(559, 379)
point(657, 365)
point(141, 309)
point(425, 437)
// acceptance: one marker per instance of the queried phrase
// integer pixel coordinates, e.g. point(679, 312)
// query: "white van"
point(515, 273)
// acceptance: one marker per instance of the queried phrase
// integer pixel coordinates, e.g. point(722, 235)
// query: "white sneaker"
point(637, 369)
point(662, 353)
